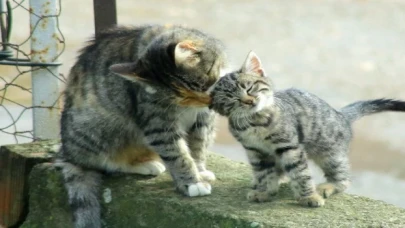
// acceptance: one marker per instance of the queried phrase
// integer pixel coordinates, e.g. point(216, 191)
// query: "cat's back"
point(317, 121)
point(127, 44)
point(120, 44)
point(91, 84)
point(301, 100)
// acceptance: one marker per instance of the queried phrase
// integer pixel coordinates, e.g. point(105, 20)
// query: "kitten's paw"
point(314, 200)
point(207, 175)
point(149, 168)
point(258, 196)
point(326, 189)
point(199, 189)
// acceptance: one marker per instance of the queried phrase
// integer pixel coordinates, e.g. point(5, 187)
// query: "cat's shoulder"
point(298, 95)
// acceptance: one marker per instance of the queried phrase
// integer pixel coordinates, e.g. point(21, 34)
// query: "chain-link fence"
point(29, 78)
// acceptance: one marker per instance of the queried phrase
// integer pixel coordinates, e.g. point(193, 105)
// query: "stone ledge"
point(16, 162)
point(152, 202)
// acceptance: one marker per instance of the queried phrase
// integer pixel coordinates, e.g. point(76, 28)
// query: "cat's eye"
point(242, 86)
point(263, 90)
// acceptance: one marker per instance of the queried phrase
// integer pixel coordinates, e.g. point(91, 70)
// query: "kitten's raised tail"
point(359, 109)
point(83, 188)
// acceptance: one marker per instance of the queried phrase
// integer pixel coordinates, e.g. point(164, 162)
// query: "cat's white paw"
point(199, 189)
point(283, 179)
point(149, 168)
point(207, 175)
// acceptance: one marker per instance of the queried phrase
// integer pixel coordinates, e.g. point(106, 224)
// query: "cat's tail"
point(83, 187)
point(359, 109)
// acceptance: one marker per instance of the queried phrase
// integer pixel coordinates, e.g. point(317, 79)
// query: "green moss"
point(153, 202)
point(47, 199)
point(43, 150)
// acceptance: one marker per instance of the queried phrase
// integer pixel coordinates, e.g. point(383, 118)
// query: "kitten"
point(282, 130)
point(125, 110)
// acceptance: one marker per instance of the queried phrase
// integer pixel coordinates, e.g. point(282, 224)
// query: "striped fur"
point(281, 130)
point(125, 110)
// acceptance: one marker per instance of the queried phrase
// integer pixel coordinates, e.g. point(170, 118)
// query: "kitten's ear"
point(127, 71)
point(185, 53)
point(252, 65)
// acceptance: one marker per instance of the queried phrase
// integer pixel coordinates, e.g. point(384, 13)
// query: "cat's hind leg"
point(294, 162)
point(337, 173)
point(152, 167)
point(137, 160)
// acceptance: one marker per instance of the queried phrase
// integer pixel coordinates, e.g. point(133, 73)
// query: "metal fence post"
point(44, 49)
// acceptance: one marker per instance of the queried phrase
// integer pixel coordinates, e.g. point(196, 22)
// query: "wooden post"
point(105, 14)
point(16, 161)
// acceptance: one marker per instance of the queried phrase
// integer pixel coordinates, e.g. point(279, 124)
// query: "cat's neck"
point(269, 114)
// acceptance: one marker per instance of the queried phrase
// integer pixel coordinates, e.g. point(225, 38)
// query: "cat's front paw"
point(199, 189)
point(207, 175)
point(259, 196)
point(314, 200)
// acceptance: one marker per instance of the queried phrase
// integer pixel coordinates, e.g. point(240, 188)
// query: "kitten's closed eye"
point(264, 90)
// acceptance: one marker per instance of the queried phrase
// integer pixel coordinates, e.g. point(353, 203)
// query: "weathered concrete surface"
point(152, 202)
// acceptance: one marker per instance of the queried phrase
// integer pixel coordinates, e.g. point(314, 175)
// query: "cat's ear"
point(127, 71)
point(185, 53)
point(253, 65)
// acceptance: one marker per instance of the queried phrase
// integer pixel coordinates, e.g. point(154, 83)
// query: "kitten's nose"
point(249, 100)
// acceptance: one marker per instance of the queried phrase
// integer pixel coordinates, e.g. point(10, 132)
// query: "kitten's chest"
point(254, 137)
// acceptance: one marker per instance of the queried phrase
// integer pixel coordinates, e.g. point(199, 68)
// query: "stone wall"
point(135, 201)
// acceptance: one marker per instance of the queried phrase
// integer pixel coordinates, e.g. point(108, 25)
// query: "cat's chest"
point(187, 117)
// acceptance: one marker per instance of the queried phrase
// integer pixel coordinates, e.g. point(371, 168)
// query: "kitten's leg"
point(265, 176)
point(337, 173)
point(200, 136)
point(294, 162)
point(173, 150)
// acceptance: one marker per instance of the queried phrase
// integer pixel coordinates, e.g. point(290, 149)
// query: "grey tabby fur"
point(282, 130)
point(122, 112)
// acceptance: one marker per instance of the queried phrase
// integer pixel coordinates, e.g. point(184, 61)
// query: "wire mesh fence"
point(19, 61)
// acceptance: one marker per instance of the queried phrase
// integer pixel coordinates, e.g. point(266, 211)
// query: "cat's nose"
point(249, 100)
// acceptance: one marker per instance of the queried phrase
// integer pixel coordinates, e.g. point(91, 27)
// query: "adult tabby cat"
point(282, 130)
point(128, 123)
